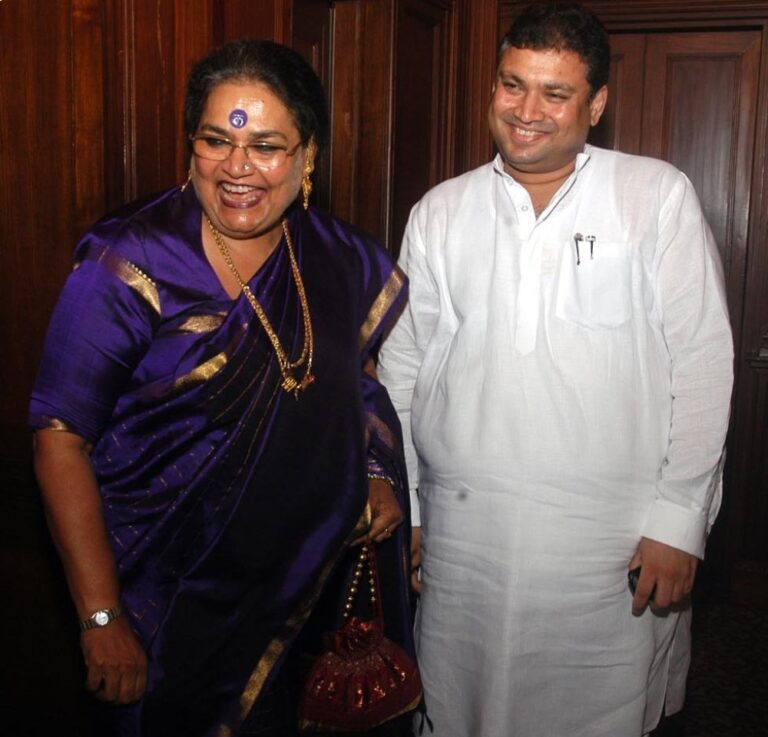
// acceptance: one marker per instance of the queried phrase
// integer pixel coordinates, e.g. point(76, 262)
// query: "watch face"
point(101, 618)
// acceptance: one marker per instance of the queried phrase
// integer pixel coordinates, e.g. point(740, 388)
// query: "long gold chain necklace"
point(290, 382)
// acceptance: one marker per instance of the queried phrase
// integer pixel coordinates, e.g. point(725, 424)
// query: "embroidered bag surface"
point(362, 679)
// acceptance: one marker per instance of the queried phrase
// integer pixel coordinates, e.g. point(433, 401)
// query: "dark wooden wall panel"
point(625, 92)
point(475, 63)
point(46, 192)
point(425, 91)
point(685, 72)
point(312, 38)
point(361, 104)
point(270, 19)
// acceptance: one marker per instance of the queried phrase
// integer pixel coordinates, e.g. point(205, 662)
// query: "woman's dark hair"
point(563, 27)
point(281, 69)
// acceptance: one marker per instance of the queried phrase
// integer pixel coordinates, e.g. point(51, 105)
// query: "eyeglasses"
point(262, 154)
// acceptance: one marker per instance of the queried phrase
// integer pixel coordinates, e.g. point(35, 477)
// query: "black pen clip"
point(577, 238)
point(591, 240)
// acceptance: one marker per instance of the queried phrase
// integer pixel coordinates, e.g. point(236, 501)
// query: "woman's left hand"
point(386, 514)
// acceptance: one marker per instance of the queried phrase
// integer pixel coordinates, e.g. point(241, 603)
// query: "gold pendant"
point(291, 385)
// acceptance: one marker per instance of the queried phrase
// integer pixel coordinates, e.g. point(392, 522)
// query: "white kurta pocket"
point(597, 291)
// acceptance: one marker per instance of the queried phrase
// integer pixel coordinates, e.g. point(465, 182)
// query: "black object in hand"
point(633, 577)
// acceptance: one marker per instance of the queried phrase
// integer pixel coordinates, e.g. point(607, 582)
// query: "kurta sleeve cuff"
point(682, 528)
point(415, 511)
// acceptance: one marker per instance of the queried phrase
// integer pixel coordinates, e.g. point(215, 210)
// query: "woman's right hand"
point(116, 662)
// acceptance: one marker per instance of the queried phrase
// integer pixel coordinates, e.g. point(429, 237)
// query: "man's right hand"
point(116, 662)
point(416, 559)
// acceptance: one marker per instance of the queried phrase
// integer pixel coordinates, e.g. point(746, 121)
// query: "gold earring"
point(189, 179)
point(309, 167)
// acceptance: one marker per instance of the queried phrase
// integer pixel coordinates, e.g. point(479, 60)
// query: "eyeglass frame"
point(289, 152)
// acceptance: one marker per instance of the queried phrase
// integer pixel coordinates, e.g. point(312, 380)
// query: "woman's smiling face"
point(242, 200)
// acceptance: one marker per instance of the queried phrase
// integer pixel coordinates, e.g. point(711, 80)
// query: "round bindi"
point(238, 118)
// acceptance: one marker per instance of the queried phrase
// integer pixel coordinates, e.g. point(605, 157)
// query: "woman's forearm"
point(73, 509)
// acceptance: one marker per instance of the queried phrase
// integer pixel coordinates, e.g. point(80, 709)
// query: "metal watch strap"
point(101, 618)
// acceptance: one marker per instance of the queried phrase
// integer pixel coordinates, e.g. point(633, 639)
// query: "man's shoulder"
point(451, 192)
point(630, 165)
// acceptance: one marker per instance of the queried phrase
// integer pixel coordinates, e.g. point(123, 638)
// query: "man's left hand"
point(666, 578)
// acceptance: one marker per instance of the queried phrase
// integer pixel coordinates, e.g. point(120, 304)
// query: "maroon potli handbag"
point(362, 679)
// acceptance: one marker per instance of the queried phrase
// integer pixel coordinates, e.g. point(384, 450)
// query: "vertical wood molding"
point(193, 39)
point(127, 74)
point(343, 93)
point(425, 104)
point(479, 34)
point(756, 309)
point(620, 127)
point(88, 111)
point(312, 37)
point(361, 95)
point(269, 19)
point(41, 185)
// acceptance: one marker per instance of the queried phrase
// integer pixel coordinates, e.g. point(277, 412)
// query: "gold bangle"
point(382, 477)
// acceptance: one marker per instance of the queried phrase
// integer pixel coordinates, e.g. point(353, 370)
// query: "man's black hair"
point(563, 27)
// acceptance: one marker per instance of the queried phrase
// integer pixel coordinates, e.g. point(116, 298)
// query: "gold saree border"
point(203, 372)
point(381, 305)
point(55, 423)
point(208, 369)
point(131, 275)
point(276, 647)
point(201, 323)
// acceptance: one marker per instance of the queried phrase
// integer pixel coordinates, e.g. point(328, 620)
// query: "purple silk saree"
point(227, 502)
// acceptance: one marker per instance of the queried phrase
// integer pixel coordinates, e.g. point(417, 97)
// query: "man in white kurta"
point(563, 374)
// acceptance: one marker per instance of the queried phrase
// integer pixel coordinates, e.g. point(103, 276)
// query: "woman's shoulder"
point(128, 230)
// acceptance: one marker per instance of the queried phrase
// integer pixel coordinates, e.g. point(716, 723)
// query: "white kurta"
point(558, 412)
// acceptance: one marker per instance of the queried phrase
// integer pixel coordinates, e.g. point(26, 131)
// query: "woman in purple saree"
point(209, 435)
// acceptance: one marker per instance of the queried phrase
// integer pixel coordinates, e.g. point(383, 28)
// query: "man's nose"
point(529, 108)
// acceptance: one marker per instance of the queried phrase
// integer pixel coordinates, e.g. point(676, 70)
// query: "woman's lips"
point(240, 195)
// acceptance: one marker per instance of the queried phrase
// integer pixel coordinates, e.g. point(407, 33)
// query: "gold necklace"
point(290, 382)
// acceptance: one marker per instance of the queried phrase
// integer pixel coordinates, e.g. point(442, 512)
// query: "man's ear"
point(597, 105)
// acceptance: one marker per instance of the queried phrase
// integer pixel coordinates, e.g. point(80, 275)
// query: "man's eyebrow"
point(559, 86)
point(507, 76)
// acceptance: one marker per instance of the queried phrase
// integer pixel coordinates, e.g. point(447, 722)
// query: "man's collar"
point(581, 159)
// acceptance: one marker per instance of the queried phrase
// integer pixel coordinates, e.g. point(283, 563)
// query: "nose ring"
point(246, 166)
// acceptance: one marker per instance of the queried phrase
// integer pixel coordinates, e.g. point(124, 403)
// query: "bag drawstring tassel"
point(422, 708)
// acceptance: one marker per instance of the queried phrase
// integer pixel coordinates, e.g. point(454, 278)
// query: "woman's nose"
point(238, 163)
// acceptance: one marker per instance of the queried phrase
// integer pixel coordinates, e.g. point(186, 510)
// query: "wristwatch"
point(101, 618)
